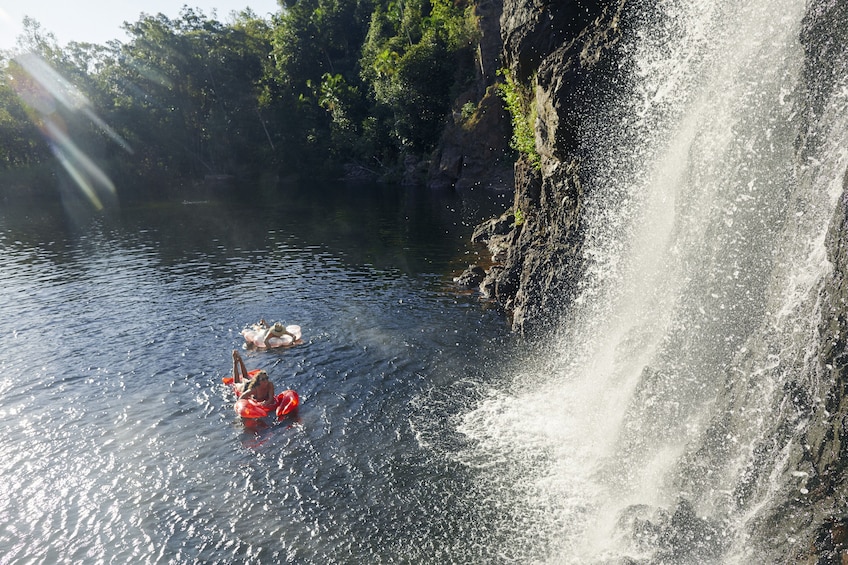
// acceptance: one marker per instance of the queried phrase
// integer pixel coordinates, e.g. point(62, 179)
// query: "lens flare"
point(47, 95)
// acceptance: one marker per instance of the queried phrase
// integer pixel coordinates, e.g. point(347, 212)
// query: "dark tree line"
point(322, 84)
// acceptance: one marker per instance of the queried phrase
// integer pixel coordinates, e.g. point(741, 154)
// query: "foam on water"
point(704, 253)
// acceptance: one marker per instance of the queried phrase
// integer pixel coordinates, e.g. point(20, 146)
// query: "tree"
point(413, 55)
point(325, 82)
point(22, 144)
point(317, 48)
point(188, 92)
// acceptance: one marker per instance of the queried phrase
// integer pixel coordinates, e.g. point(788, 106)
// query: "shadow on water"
point(407, 229)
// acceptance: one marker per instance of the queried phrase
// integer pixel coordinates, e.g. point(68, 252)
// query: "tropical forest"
point(324, 87)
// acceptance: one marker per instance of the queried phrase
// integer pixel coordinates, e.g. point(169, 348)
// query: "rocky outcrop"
point(474, 148)
point(550, 41)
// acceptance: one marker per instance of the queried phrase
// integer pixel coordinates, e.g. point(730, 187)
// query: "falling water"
point(653, 427)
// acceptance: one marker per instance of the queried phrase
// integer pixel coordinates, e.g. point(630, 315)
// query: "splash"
point(640, 434)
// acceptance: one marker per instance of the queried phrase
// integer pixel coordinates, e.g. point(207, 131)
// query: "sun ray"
point(48, 95)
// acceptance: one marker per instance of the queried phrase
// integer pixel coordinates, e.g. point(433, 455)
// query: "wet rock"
point(830, 545)
point(673, 537)
point(471, 277)
point(492, 227)
point(690, 537)
point(570, 47)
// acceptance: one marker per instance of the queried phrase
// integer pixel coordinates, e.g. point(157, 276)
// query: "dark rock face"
point(533, 29)
point(541, 263)
point(820, 458)
point(534, 277)
point(474, 150)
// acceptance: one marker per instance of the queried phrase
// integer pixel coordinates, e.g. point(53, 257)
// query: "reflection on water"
point(120, 443)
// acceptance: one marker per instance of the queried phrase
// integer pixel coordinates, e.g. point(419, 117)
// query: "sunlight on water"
point(121, 443)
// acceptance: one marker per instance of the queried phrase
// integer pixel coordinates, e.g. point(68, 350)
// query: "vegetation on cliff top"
point(321, 84)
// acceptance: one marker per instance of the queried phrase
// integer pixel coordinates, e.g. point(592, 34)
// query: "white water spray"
point(704, 255)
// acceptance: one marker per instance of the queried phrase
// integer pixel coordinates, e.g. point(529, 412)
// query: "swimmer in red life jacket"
point(259, 387)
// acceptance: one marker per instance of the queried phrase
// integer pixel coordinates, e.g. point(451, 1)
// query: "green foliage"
point(316, 46)
point(467, 111)
point(322, 82)
point(411, 59)
point(520, 103)
point(519, 217)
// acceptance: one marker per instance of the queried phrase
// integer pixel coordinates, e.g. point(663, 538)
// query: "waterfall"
point(657, 426)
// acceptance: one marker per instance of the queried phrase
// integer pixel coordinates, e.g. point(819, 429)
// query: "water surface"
point(120, 443)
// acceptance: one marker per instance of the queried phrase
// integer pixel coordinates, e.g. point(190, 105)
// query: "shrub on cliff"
point(518, 99)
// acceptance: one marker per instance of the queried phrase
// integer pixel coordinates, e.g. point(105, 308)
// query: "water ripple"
point(120, 441)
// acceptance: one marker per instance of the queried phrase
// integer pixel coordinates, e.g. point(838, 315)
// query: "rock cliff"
point(567, 52)
point(820, 458)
